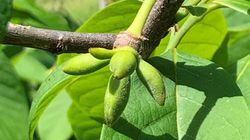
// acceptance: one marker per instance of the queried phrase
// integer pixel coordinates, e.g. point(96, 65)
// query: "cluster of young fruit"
point(123, 61)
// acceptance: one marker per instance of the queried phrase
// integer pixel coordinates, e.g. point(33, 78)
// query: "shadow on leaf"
point(213, 81)
point(135, 133)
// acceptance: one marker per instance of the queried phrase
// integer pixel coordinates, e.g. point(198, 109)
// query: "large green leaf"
point(204, 99)
point(241, 72)
point(13, 103)
point(54, 124)
point(5, 11)
point(54, 83)
point(238, 5)
point(86, 112)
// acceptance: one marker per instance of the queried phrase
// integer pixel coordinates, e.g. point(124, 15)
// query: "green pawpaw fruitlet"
point(153, 81)
point(116, 98)
point(122, 64)
point(101, 53)
point(83, 64)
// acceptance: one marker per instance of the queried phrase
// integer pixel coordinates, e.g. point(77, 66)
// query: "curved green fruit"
point(153, 81)
point(126, 48)
point(101, 53)
point(116, 98)
point(122, 64)
point(83, 64)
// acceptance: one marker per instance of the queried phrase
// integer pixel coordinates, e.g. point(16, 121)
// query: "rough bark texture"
point(56, 41)
point(160, 19)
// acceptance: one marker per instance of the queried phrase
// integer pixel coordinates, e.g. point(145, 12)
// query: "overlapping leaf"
point(241, 72)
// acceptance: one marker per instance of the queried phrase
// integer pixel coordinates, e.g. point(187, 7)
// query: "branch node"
point(60, 44)
point(127, 39)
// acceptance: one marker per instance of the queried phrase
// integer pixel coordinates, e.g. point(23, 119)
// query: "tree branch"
point(160, 19)
point(56, 41)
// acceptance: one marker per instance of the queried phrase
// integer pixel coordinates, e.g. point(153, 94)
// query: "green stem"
point(136, 27)
point(183, 30)
point(189, 23)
